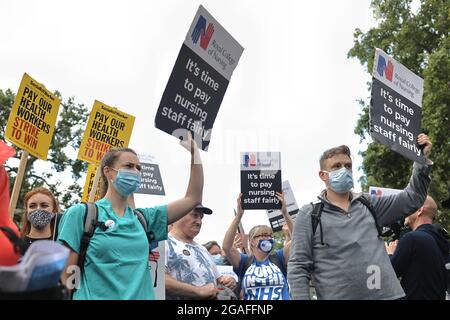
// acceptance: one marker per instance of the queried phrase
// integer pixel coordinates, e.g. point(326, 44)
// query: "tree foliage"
point(419, 39)
point(63, 168)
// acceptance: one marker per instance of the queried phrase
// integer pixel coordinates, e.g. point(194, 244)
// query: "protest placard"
point(260, 180)
point(31, 123)
point(90, 176)
point(377, 191)
point(30, 126)
point(396, 107)
point(151, 181)
point(275, 216)
point(157, 268)
point(107, 127)
point(198, 81)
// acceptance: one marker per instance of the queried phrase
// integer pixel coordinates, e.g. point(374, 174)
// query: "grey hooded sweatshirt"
point(352, 262)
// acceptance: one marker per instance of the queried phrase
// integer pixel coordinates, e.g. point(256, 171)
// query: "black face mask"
point(40, 218)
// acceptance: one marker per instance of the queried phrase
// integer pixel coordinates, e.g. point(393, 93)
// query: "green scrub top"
point(116, 264)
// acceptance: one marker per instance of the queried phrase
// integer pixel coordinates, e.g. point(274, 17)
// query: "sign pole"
point(94, 184)
point(241, 231)
point(18, 183)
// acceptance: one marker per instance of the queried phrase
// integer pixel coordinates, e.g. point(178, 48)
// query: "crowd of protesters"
point(335, 245)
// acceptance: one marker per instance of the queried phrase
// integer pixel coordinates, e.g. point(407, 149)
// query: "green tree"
point(66, 140)
point(419, 39)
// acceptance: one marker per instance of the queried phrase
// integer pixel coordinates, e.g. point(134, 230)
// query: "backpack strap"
point(150, 237)
point(90, 223)
point(58, 218)
point(20, 246)
point(316, 215)
point(369, 206)
point(140, 215)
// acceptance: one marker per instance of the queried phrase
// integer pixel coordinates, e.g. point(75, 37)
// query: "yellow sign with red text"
point(31, 123)
point(88, 184)
point(107, 128)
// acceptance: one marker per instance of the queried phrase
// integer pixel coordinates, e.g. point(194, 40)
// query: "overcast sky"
point(293, 91)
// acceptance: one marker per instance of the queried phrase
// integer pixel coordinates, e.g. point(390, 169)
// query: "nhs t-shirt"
point(263, 280)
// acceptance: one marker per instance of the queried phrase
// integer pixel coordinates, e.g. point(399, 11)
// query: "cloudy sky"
point(293, 91)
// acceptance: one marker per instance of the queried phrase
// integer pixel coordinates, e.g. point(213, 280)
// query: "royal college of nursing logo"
point(376, 192)
point(249, 160)
point(383, 69)
point(201, 32)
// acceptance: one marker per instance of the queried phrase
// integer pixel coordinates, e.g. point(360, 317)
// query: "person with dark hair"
point(213, 247)
point(419, 257)
point(337, 242)
point(39, 221)
point(116, 261)
point(216, 253)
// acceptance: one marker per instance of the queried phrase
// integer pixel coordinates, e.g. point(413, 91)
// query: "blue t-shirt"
point(116, 264)
point(263, 280)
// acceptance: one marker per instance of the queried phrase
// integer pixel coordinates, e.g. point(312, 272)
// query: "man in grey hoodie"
point(345, 258)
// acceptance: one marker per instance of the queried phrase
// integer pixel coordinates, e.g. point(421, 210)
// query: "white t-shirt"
point(190, 263)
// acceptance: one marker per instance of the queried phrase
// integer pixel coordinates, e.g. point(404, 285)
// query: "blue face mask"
point(127, 181)
point(341, 181)
point(218, 259)
point(265, 245)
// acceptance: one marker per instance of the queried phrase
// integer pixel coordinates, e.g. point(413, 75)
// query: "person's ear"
point(420, 211)
point(323, 175)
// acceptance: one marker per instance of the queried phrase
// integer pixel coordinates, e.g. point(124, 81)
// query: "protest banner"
point(198, 81)
point(157, 268)
point(30, 126)
point(396, 228)
point(377, 191)
point(275, 216)
point(151, 181)
point(90, 176)
point(260, 180)
point(155, 262)
point(107, 128)
point(31, 123)
point(396, 107)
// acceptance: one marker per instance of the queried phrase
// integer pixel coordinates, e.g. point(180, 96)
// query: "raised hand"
point(423, 139)
point(240, 211)
point(189, 143)
point(280, 196)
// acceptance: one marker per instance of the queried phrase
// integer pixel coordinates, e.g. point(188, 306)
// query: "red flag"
point(7, 255)
point(6, 152)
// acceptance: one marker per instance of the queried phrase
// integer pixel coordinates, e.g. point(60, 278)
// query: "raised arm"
point(395, 207)
point(232, 253)
point(179, 208)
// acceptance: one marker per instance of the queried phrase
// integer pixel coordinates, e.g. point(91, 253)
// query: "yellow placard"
point(88, 184)
point(107, 128)
point(31, 123)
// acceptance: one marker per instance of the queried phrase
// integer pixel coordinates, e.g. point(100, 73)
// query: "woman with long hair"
point(116, 260)
point(39, 221)
point(262, 273)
